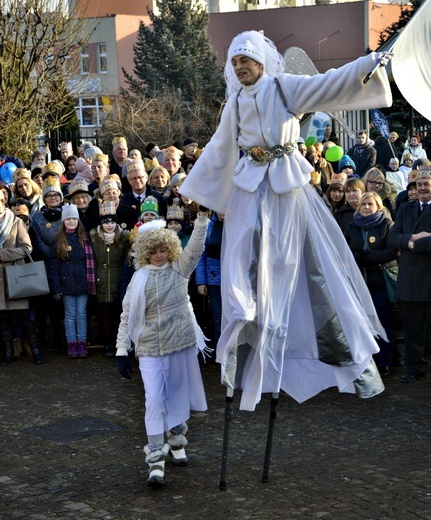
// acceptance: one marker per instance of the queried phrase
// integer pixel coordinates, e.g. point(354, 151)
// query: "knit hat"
point(90, 150)
point(107, 212)
point(51, 168)
point(150, 146)
point(346, 162)
point(35, 170)
point(248, 43)
point(75, 187)
point(69, 211)
point(51, 184)
point(175, 212)
point(178, 178)
point(188, 141)
point(150, 205)
point(60, 166)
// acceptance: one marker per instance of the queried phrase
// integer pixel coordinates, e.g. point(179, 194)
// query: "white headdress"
point(256, 46)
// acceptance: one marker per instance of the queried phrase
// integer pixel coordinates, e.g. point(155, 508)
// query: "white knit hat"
point(256, 46)
point(248, 43)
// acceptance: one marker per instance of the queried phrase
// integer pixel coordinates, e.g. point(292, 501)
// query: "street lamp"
point(327, 38)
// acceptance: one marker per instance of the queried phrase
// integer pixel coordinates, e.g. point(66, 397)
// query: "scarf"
point(6, 226)
point(370, 221)
point(89, 263)
point(51, 215)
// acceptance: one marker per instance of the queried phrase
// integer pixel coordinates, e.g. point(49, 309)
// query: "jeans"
point(75, 317)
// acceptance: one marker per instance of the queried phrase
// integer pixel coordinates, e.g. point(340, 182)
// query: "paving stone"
point(334, 457)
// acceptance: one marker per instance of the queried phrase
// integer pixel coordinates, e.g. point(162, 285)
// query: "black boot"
point(29, 329)
point(8, 356)
point(37, 355)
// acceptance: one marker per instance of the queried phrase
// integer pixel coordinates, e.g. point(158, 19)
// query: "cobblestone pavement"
point(71, 439)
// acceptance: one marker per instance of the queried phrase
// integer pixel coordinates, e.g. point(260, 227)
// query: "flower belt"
point(261, 155)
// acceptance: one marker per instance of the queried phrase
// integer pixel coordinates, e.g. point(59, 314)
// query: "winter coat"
point(44, 226)
point(126, 216)
point(169, 326)
point(68, 277)
point(365, 160)
point(13, 251)
point(208, 271)
point(344, 216)
point(369, 262)
point(417, 152)
point(109, 260)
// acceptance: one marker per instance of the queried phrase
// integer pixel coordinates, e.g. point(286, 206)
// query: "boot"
point(37, 355)
point(82, 349)
point(156, 462)
point(72, 352)
point(177, 442)
point(7, 358)
point(110, 351)
point(35, 350)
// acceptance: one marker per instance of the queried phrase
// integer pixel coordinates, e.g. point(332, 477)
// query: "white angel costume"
point(297, 314)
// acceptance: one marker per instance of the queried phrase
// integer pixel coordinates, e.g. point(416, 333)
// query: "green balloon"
point(334, 153)
point(310, 140)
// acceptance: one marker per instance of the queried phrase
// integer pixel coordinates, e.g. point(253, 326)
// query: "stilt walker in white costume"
point(297, 315)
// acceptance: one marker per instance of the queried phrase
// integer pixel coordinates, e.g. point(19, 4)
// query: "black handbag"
point(26, 280)
point(390, 273)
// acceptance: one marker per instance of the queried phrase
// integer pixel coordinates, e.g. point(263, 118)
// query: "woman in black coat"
point(367, 238)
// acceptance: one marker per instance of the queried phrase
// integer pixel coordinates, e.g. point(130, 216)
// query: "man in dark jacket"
point(363, 154)
point(412, 234)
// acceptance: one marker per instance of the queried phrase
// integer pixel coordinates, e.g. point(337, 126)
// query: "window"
point(102, 58)
point(92, 110)
point(68, 65)
point(85, 60)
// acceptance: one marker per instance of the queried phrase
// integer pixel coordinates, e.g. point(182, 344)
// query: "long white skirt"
point(297, 314)
point(173, 386)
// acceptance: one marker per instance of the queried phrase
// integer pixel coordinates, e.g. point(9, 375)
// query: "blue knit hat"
point(346, 162)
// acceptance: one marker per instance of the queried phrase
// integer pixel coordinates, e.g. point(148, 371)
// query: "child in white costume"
point(297, 315)
point(157, 317)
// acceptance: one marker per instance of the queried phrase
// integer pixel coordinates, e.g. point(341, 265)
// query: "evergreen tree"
point(174, 53)
point(399, 116)
point(406, 13)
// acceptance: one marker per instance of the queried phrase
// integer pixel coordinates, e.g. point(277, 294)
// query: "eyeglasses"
point(376, 183)
point(55, 196)
point(137, 179)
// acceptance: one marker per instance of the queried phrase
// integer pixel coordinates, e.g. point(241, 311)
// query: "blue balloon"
point(6, 172)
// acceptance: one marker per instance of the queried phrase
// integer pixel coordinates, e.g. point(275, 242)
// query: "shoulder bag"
point(26, 280)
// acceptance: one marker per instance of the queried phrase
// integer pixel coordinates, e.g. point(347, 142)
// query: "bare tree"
point(162, 118)
point(37, 37)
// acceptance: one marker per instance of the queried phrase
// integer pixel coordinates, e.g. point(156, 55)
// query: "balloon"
point(6, 172)
point(334, 154)
point(310, 140)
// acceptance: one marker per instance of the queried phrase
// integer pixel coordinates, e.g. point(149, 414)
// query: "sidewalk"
point(71, 439)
